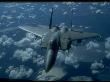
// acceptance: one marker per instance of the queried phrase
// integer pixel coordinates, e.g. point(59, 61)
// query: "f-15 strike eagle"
point(56, 38)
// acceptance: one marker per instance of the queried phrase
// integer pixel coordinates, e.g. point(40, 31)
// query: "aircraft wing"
point(40, 30)
point(75, 35)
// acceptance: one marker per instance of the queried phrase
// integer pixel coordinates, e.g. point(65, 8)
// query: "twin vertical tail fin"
point(71, 18)
point(51, 18)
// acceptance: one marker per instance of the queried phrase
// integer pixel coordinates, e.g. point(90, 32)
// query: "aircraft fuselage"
point(52, 50)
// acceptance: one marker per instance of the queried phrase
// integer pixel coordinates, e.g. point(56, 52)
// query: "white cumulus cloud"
point(39, 60)
point(68, 59)
point(55, 6)
point(108, 56)
point(65, 12)
point(98, 11)
point(72, 60)
point(107, 43)
point(6, 41)
point(2, 54)
point(97, 67)
point(23, 42)
point(19, 72)
point(67, 3)
point(29, 54)
point(103, 4)
point(29, 40)
point(91, 45)
point(24, 55)
point(107, 47)
point(62, 25)
point(81, 78)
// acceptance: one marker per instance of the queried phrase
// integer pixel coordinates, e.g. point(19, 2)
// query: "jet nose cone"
point(50, 60)
point(48, 67)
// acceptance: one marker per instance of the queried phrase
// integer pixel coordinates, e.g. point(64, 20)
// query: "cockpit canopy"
point(64, 29)
point(55, 28)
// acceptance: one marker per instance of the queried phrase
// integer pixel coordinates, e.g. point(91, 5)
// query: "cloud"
point(61, 57)
point(62, 25)
point(99, 11)
point(65, 12)
point(6, 41)
point(7, 17)
point(108, 56)
point(81, 54)
point(55, 6)
point(32, 16)
point(39, 60)
point(97, 67)
point(29, 40)
point(107, 43)
point(24, 55)
point(81, 78)
point(74, 56)
point(2, 55)
point(67, 3)
point(54, 74)
point(90, 53)
point(92, 45)
point(92, 7)
point(19, 72)
point(43, 9)
point(72, 60)
point(29, 54)
point(68, 59)
point(103, 4)
point(9, 69)
point(36, 43)
point(8, 29)
point(107, 47)
point(23, 42)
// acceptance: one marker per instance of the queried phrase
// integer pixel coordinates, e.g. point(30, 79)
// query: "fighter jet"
point(55, 38)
